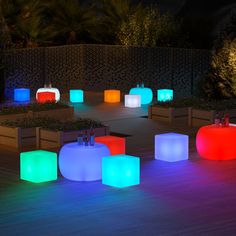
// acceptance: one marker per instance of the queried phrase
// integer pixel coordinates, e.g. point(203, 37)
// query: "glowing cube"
point(115, 144)
point(216, 143)
point(82, 163)
point(171, 147)
point(22, 95)
point(50, 90)
point(38, 166)
point(112, 96)
point(164, 95)
point(46, 97)
point(76, 95)
point(145, 93)
point(132, 101)
point(121, 171)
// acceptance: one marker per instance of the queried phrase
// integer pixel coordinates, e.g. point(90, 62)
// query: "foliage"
point(220, 81)
point(200, 103)
point(17, 109)
point(53, 124)
point(112, 14)
point(150, 28)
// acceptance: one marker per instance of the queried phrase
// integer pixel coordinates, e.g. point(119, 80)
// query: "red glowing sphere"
point(115, 144)
point(216, 143)
point(43, 97)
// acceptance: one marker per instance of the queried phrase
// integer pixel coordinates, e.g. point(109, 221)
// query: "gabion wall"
point(98, 67)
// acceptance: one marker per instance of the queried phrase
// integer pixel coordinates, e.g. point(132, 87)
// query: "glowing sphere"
point(145, 93)
point(21, 95)
point(115, 144)
point(216, 143)
point(121, 171)
point(171, 147)
point(52, 90)
point(76, 95)
point(112, 96)
point(132, 101)
point(164, 95)
point(46, 97)
point(82, 163)
point(38, 166)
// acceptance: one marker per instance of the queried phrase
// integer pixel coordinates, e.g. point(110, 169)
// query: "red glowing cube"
point(115, 144)
point(43, 97)
point(216, 143)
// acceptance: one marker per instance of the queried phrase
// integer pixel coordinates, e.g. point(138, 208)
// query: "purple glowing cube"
point(171, 147)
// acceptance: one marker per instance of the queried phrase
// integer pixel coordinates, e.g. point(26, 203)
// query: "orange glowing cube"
point(112, 96)
point(116, 145)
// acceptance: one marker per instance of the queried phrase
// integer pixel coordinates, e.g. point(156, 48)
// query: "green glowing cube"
point(121, 171)
point(38, 166)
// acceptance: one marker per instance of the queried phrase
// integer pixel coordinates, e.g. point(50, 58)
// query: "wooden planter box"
point(47, 139)
point(168, 114)
point(17, 138)
point(62, 114)
point(199, 117)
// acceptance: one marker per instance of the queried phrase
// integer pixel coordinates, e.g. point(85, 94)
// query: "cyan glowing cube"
point(38, 166)
point(164, 95)
point(76, 95)
point(21, 95)
point(171, 147)
point(145, 93)
point(120, 171)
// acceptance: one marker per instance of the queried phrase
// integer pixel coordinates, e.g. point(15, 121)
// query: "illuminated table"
point(145, 93)
point(52, 90)
point(112, 95)
point(21, 95)
point(132, 100)
point(216, 143)
point(82, 163)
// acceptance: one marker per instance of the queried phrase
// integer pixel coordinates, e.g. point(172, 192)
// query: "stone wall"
point(98, 67)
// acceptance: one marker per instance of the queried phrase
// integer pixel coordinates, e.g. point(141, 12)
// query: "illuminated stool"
point(132, 101)
point(115, 144)
point(76, 95)
point(82, 163)
point(21, 95)
point(216, 143)
point(145, 93)
point(38, 166)
point(121, 171)
point(171, 147)
point(51, 90)
point(164, 95)
point(112, 96)
point(46, 97)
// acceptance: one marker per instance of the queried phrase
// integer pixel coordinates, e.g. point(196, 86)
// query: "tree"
point(112, 14)
point(71, 22)
point(150, 28)
point(220, 81)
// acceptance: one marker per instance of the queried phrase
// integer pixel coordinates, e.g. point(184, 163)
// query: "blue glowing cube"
point(121, 171)
point(38, 166)
point(171, 147)
point(146, 94)
point(21, 95)
point(76, 95)
point(164, 95)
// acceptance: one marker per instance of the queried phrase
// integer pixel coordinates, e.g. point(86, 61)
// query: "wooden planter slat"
point(168, 114)
point(55, 139)
point(199, 117)
point(61, 114)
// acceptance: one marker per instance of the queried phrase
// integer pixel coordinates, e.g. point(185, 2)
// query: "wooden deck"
point(193, 197)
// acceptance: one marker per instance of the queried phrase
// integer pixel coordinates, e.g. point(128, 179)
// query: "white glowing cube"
point(132, 100)
point(171, 147)
point(52, 90)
